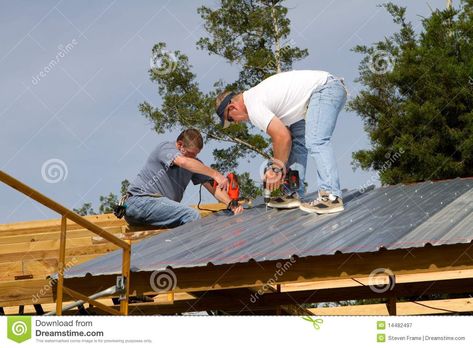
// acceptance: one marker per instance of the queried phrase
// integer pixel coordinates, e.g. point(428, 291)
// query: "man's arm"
point(196, 166)
point(281, 138)
point(222, 196)
point(282, 142)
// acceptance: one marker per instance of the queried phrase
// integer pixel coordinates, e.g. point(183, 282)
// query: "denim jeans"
point(298, 156)
point(158, 211)
point(314, 134)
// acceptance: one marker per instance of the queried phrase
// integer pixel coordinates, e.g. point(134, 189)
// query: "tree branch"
point(235, 140)
point(277, 41)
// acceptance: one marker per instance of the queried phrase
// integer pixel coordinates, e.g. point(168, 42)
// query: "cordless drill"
point(233, 189)
point(291, 182)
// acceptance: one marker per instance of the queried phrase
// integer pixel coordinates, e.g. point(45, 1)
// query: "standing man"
point(154, 196)
point(298, 110)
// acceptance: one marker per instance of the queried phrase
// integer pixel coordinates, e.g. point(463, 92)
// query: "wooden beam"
point(39, 269)
point(105, 221)
point(241, 300)
point(79, 296)
point(48, 307)
point(53, 235)
point(45, 226)
point(126, 274)
point(402, 278)
point(61, 266)
point(25, 292)
point(430, 307)
point(391, 305)
point(50, 254)
point(340, 266)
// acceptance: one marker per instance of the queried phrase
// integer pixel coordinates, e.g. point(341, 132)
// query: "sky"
point(72, 130)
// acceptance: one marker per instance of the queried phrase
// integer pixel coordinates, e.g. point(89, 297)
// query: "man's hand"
point(222, 181)
point(273, 180)
point(237, 210)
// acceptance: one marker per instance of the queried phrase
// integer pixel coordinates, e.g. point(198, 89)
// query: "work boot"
point(285, 202)
point(326, 203)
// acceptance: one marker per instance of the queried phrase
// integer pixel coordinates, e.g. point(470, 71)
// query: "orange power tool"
point(233, 189)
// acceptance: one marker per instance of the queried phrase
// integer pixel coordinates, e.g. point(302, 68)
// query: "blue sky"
point(83, 110)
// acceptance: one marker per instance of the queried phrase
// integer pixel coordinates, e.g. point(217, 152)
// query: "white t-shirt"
point(284, 95)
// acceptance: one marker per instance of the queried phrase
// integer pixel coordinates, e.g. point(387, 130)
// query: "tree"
point(417, 99)
point(106, 202)
point(250, 34)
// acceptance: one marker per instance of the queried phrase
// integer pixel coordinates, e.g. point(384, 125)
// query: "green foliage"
point(250, 34)
point(417, 99)
point(248, 186)
point(86, 209)
point(106, 202)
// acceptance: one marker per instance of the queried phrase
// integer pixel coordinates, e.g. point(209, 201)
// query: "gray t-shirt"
point(160, 176)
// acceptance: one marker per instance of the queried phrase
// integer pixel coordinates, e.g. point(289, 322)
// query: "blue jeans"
point(158, 211)
point(298, 156)
point(314, 134)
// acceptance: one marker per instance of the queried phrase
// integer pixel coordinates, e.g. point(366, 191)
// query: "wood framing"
point(448, 306)
point(340, 266)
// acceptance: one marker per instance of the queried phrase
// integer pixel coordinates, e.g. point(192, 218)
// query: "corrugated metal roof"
point(393, 217)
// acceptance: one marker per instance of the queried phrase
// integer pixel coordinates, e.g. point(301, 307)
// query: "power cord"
point(200, 200)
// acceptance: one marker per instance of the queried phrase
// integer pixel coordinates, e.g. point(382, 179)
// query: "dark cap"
point(221, 109)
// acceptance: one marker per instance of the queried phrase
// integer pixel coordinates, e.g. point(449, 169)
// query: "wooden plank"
point(102, 220)
point(38, 268)
point(42, 226)
point(52, 235)
point(402, 278)
point(58, 208)
point(25, 292)
point(44, 245)
point(61, 266)
point(75, 242)
point(403, 308)
point(126, 263)
point(180, 296)
point(84, 298)
point(50, 254)
point(48, 307)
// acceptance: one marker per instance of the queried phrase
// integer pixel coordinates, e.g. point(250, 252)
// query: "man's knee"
point(190, 215)
point(318, 142)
